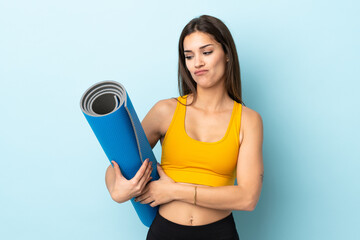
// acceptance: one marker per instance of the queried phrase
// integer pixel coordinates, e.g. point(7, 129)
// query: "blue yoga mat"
point(112, 117)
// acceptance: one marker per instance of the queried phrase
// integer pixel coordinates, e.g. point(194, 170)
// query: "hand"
point(158, 192)
point(124, 189)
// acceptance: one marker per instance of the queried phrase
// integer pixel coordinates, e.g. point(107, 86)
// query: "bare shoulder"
point(165, 107)
point(158, 119)
point(251, 122)
point(250, 115)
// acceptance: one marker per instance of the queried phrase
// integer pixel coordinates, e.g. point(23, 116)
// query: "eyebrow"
point(199, 47)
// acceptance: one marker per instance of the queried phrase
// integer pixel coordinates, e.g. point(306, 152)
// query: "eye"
point(207, 53)
point(188, 57)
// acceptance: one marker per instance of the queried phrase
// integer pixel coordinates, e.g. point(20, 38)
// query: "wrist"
point(176, 191)
point(184, 193)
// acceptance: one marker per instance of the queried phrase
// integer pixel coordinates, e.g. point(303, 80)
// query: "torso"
point(217, 123)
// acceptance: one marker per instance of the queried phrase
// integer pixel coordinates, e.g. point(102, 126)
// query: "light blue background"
point(300, 70)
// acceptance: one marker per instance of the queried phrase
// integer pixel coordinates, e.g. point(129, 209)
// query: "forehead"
point(196, 40)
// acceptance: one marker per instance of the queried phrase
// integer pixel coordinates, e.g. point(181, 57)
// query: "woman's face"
point(205, 59)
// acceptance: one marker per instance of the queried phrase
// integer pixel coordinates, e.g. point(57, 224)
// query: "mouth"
point(200, 72)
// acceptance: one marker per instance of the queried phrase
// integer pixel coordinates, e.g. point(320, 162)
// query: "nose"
point(199, 62)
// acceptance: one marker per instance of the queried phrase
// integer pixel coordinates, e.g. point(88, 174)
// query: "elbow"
point(251, 206)
point(247, 203)
point(117, 198)
point(247, 200)
point(246, 206)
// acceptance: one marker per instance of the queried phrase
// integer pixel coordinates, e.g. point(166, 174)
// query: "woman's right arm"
point(121, 189)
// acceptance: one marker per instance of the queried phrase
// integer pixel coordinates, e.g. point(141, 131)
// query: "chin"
point(206, 84)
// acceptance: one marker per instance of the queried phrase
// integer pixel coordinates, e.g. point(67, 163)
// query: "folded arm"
point(244, 196)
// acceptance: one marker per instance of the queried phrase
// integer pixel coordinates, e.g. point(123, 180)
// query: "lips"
point(200, 72)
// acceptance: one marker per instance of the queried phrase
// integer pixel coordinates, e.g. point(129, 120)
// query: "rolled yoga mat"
point(112, 117)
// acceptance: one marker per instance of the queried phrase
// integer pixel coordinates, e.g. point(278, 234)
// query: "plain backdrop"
point(300, 70)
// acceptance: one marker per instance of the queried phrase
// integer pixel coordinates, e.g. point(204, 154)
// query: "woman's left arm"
point(244, 196)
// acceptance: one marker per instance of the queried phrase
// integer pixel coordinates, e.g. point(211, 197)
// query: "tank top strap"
point(237, 117)
point(181, 109)
point(175, 128)
point(182, 99)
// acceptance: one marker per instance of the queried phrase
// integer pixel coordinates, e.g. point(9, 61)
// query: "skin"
point(176, 200)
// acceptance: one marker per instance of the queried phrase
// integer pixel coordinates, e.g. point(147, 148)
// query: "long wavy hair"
point(216, 28)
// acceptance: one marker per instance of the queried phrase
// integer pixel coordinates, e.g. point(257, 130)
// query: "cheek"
point(220, 65)
point(188, 66)
point(190, 69)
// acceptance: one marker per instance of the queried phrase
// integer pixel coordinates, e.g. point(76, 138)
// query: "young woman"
point(208, 137)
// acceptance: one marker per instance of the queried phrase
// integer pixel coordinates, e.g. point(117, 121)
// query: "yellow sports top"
point(187, 160)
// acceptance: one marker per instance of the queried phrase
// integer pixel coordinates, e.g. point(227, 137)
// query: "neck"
point(213, 99)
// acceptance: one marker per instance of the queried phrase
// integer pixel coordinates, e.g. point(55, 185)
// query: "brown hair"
point(216, 28)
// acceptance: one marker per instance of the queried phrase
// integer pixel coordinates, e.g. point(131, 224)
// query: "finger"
point(160, 171)
point(148, 171)
point(145, 177)
point(145, 186)
point(117, 170)
point(144, 191)
point(141, 197)
point(146, 200)
point(141, 171)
